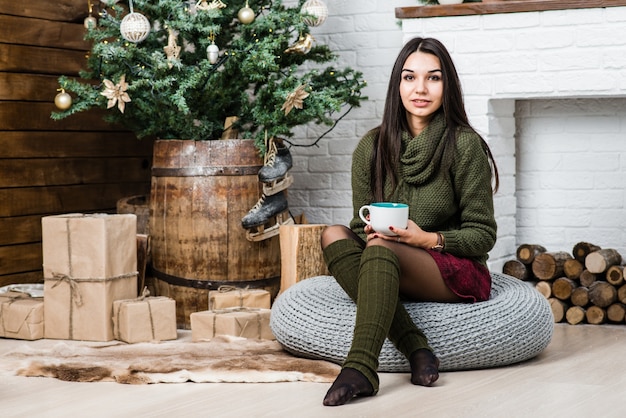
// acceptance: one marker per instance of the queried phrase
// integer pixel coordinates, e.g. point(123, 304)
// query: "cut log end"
point(621, 293)
point(526, 253)
point(558, 308)
point(545, 288)
point(602, 294)
point(587, 278)
point(615, 275)
point(516, 269)
point(563, 287)
point(549, 265)
point(573, 268)
point(575, 315)
point(599, 261)
point(616, 313)
point(582, 249)
point(595, 315)
point(580, 296)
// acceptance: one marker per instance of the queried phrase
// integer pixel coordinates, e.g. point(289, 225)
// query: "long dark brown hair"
point(388, 143)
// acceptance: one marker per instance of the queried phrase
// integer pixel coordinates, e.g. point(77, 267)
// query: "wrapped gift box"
point(21, 316)
point(89, 262)
point(239, 322)
point(144, 319)
point(235, 297)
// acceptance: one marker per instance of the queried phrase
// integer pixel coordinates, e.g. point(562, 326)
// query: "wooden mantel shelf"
point(501, 6)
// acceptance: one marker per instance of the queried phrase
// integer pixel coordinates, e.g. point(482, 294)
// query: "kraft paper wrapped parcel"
point(89, 261)
point(236, 297)
point(145, 319)
point(239, 322)
point(21, 316)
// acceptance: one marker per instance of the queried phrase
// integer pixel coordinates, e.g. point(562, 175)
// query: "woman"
point(424, 154)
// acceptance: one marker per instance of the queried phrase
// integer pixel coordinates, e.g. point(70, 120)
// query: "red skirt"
point(467, 278)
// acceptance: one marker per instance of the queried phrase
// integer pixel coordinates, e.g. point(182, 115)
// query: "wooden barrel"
point(137, 205)
point(200, 190)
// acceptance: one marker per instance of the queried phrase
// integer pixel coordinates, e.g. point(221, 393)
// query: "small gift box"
point(236, 297)
point(144, 319)
point(239, 322)
point(89, 262)
point(21, 316)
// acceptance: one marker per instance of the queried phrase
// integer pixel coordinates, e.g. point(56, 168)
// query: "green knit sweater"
point(460, 205)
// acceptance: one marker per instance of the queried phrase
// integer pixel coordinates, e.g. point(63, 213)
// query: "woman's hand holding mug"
point(382, 215)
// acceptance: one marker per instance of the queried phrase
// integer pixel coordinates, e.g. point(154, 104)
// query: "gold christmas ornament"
point(172, 50)
point(63, 100)
point(135, 27)
point(302, 46)
point(295, 99)
point(116, 93)
point(314, 12)
point(246, 14)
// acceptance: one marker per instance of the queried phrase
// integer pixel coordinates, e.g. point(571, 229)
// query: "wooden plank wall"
point(79, 164)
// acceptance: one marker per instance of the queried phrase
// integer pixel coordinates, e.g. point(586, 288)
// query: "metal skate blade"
point(277, 185)
point(262, 233)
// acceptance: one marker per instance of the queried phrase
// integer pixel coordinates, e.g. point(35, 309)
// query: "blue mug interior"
point(389, 205)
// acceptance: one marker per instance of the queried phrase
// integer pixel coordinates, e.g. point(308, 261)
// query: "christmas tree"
point(178, 69)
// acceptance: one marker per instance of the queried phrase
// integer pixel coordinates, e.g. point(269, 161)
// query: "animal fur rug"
point(223, 359)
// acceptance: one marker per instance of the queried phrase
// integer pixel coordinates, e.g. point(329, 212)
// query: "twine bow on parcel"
point(226, 288)
point(240, 309)
point(12, 298)
point(76, 297)
point(144, 295)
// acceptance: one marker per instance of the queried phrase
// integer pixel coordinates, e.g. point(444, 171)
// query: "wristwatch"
point(440, 243)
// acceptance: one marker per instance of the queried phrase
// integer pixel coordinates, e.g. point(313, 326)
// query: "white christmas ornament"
point(90, 22)
point(314, 12)
point(213, 53)
point(135, 27)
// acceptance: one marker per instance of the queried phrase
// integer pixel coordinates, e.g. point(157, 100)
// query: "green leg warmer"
point(379, 277)
point(343, 259)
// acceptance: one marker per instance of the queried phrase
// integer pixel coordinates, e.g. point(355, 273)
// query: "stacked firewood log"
point(584, 286)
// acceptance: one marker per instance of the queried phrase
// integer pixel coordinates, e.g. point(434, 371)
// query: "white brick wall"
point(571, 167)
point(367, 37)
point(504, 61)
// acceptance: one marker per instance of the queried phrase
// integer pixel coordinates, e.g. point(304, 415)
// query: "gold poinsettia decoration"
point(172, 50)
point(215, 4)
point(295, 99)
point(302, 46)
point(116, 93)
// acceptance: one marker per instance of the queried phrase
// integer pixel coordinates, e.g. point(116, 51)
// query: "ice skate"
point(274, 173)
point(265, 218)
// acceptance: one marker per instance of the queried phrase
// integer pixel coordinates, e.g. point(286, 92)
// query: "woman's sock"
point(424, 367)
point(349, 384)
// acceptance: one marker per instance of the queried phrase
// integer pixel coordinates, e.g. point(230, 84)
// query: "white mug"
point(386, 214)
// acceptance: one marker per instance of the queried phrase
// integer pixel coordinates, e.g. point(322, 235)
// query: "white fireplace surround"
point(547, 90)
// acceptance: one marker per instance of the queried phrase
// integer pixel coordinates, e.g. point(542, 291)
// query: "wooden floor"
point(582, 373)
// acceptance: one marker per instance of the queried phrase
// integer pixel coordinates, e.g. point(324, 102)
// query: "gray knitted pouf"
point(315, 318)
